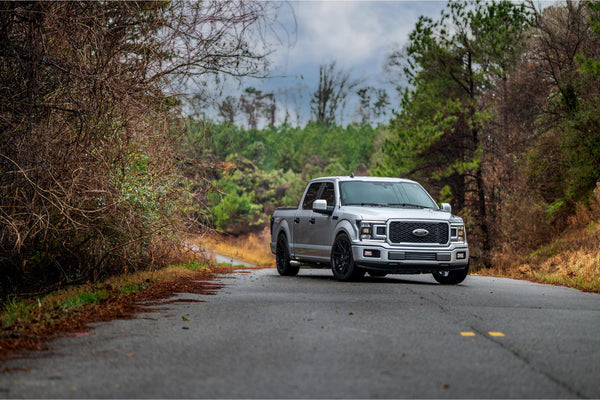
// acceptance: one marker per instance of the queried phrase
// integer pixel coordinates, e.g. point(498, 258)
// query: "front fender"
point(347, 227)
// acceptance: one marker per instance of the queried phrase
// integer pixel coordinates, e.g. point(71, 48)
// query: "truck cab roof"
point(361, 178)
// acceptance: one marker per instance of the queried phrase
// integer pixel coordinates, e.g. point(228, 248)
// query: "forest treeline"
point(252, 171)
point(500, 117)
point(101, 171)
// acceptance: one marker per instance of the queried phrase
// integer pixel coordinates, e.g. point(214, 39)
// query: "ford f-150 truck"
point(367, 224)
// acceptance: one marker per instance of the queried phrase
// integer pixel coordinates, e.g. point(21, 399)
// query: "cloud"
point(347, 32)
point(358, 35)
point(351, 32)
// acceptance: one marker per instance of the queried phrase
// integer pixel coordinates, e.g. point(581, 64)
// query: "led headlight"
point(372, 230)
point(458, 234)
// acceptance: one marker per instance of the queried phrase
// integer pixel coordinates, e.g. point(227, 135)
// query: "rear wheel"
point(451, 277)
point(282, 258)
point(342, 262)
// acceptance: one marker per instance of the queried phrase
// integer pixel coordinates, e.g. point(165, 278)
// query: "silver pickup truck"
point(366, 224)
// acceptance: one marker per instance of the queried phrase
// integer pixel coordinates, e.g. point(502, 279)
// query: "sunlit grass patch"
point(578, 282)
point(84, 298)
point(578, 268)
point(191, 266)
point(133, 288)
point(51, 307)
point(15, 310)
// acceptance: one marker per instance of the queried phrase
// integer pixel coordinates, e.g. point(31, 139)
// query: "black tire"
point(451, 277)
point(282, 258)
point(377, 274)
point(342, 262)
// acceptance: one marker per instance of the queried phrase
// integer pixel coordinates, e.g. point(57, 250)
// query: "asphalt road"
point(268, 336)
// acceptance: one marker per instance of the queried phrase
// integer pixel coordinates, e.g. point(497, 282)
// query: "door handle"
point(312, 220)
point(297, 220)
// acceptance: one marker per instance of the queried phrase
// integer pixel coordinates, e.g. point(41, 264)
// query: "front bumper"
point(409, 260)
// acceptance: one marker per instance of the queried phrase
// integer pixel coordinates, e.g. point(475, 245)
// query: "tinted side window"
point(311, 195)
point(328, 193)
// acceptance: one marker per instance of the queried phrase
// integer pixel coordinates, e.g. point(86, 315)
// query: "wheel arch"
point(284, 229)
point(344, 227)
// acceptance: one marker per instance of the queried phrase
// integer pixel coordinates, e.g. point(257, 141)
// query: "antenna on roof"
point(352, 175)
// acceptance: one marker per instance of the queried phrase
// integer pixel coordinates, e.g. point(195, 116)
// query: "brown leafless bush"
point(88, 176)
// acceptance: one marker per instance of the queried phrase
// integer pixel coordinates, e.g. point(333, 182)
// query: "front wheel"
point(342, 262)
point(451, 277)
point(282, 258)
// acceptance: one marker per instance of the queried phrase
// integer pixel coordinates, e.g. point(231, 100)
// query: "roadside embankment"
point(571, 260)
point(253, 248)
point(28, 323)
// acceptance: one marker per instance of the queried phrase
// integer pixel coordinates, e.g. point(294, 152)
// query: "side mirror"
point(320, 206)
point(446, 207)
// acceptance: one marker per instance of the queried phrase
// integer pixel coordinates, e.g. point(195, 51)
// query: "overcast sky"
point(358, 35)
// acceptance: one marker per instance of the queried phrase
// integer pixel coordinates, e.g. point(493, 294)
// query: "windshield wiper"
point(366, 204)
point(406, 205)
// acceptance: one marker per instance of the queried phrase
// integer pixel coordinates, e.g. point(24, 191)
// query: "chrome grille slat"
point(409, 256)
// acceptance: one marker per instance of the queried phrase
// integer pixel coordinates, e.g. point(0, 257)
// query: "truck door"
point(322, 225)
point(302, 222)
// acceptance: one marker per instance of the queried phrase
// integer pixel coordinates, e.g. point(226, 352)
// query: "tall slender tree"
point(332, 91)
point(440, 131)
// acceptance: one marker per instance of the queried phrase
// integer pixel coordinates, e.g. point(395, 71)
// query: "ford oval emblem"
point(420, 232)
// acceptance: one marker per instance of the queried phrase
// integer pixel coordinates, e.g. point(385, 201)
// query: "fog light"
point(461, 255)
point(371, 253)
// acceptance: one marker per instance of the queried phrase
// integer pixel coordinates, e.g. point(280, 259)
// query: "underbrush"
point(571, 259)
point(27, 323)
point(253, 248)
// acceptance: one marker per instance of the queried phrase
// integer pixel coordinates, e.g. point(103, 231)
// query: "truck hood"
point(386, 213)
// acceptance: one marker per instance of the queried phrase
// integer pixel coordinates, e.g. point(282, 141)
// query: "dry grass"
point(253, 248)
point(573, 259)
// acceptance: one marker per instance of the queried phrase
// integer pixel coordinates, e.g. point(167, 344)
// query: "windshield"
point(385, 194)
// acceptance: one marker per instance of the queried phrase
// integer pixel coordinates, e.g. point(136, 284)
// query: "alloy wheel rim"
point(281, 252)
point(341, 256)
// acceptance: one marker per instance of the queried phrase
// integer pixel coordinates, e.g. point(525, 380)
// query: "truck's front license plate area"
point(419, 256)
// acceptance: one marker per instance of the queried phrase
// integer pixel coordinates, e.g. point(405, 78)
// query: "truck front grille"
point(402, 232)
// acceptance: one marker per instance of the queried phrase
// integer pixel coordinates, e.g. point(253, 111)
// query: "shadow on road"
point(393, 279)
